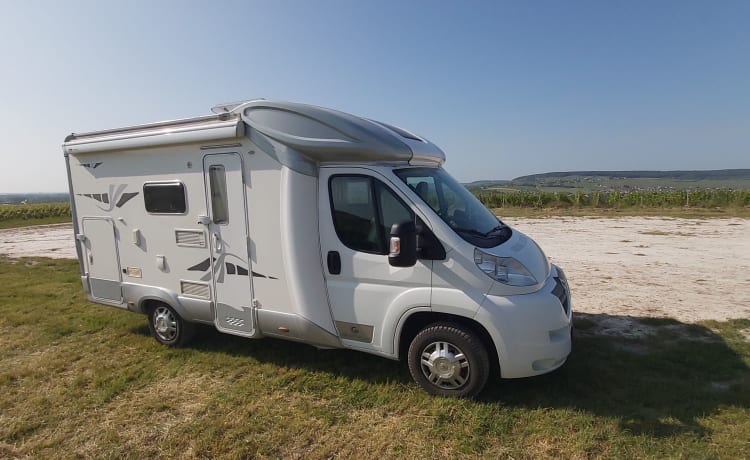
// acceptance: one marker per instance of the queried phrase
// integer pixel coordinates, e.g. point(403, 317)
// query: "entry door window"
point(364, 209)
point(217, 179)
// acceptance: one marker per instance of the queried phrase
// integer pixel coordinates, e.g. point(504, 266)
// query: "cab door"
point(357, 210)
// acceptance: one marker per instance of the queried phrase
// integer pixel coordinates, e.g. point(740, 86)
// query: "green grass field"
point(83, 380)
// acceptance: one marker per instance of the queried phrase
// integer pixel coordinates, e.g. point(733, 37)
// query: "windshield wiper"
point(470, 231)
point(493, 230)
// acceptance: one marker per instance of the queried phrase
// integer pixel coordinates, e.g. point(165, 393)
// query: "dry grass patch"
point(80, 380)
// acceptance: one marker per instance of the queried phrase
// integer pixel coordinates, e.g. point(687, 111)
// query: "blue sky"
point(505, 88)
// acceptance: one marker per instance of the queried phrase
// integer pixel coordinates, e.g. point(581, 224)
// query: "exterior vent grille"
point(236, 322)
point(195, 289)
point(190, 238)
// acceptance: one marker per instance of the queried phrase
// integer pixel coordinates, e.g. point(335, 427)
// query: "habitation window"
point(364, 209)
point(165, 198)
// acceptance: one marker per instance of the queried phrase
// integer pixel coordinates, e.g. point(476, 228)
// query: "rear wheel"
point(168, 328)
point(448, 359)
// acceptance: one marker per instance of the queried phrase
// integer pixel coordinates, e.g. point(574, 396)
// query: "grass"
point(83, 380)
point(16, 223)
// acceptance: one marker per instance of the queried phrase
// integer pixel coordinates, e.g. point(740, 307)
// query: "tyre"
point(168, 328)
point(448, 359)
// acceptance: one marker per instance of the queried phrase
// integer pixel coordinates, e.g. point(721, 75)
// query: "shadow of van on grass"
point(656, 376)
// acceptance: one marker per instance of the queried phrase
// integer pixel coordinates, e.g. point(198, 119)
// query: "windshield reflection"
point(456, 206)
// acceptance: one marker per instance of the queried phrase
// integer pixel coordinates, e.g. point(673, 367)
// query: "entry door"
point(102, 261)
point(357, 211)
point(228, 234)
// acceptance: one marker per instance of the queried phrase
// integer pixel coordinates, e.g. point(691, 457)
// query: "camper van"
point(292, 221)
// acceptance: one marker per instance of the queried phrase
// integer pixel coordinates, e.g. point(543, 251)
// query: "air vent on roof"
point(399, 131)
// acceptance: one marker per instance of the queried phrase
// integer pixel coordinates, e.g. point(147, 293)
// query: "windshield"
point(450, 200)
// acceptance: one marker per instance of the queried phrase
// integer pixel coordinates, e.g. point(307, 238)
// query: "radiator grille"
point(190, 238)
point(561, 290)
point(195, 289)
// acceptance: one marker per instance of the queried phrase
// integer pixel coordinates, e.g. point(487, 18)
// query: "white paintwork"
point(281, 229)
point(368, 289)
point(301, 250)
point(102, 263)
point(232, 288)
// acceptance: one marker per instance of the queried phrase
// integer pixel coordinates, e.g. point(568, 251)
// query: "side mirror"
point(403, 245)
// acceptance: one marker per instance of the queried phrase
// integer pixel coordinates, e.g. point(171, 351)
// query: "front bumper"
point(532, 332)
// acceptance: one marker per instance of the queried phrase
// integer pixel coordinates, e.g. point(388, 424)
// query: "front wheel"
point(448, 359)
point(168, 328)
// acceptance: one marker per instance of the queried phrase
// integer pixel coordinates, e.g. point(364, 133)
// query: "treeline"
point(24, 198)
point(33, 211)
point(722, 198)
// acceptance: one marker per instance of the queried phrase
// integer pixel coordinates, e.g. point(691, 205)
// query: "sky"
point(505, 88)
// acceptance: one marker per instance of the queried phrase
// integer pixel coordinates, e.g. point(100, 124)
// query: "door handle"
point(334, 263)
point(218, 246)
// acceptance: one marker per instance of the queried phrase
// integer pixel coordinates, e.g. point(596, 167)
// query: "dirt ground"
point(686, 269)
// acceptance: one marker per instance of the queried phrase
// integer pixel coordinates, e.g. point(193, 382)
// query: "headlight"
point(506, 270)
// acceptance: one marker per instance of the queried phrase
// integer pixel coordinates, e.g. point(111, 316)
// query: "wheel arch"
point(419, 319)
point(147, 296)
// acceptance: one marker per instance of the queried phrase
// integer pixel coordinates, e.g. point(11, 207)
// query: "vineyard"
point(721, 198)
point(25, 214)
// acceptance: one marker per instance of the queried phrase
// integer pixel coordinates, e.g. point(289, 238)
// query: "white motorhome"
point(277, 219)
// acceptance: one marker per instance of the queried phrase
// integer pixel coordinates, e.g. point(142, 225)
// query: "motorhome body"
point(286, 220)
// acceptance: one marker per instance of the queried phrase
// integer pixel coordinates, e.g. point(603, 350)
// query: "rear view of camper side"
point(278, 219)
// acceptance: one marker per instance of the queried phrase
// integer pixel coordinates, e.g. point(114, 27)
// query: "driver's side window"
point(364, 209)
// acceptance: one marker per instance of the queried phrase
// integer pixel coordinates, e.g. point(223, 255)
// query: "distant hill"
point(485, 183)
point(585, 181)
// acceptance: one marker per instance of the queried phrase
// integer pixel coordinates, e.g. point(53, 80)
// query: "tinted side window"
point(363, 211)
point(217, 179)
point(165, 198)
point(392, 210)
point(354, 213)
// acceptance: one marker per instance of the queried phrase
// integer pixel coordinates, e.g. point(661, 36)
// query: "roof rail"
point(227, 107)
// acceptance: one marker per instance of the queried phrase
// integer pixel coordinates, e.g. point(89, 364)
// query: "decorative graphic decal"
point(221, 267)
point(125, 197)
point(91, 165)
point(201, 266)
point(258, 275)
point(119, 197)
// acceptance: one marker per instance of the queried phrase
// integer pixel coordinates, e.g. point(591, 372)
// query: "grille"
point(191, 238)
point(561, 291)
point(236, 322)
point(194, 289)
